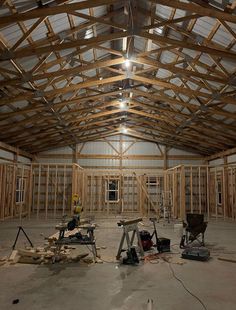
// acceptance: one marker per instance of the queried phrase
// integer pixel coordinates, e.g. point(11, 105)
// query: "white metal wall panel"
point(55, 160)
point(24, 160)
point(232, 159)
point(143, 148)
point(99, 162)
point(180, 152)
point(176, 162)
point(103, 148)
point(143, 163)
point(7, 155)
point(216, 162)
point(62, 150)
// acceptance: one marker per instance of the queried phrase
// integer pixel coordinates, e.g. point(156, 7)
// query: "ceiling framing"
point(64, 79)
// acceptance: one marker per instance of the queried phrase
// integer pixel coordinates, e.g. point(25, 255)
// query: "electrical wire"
point(186, 289)
point(173, 273)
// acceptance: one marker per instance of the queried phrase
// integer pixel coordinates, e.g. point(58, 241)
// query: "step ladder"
point(167, 204)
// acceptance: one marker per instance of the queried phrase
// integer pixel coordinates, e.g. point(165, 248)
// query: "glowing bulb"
point(122, 105)
point(124, 130)
point(127, 63)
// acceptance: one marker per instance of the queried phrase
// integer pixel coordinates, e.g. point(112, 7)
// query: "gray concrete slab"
point(110, 286)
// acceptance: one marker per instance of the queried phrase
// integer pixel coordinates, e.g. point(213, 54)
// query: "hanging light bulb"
point(122, 105)
point(123, 129)
point(127, 63)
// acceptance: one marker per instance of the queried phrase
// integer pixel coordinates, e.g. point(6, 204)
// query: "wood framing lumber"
point(25, 52)
point(230, 260)
point(48, 11)
point(203, 11)
point(188, 45)
point(228, 152)
point(15, 150)
point(53, 92)
point(68, 72)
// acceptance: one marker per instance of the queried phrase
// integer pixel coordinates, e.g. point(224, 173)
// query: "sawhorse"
point(129, 226)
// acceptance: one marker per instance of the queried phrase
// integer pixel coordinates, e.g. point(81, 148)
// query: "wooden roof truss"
point(64, 77)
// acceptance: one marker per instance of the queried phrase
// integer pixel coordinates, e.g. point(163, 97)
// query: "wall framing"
point(49, 189)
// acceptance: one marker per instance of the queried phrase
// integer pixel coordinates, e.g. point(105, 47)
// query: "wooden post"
point(173, 193)
point(64, 190)
point(73, 185)
point(22, 191)
point(46, 194)
point(55, 194)
point(83, 180)
point(133, 190)
point(208, 193)
point(13, 197)
point(1, 186)
point(234, 195)
point(140, 195)
point(148, 190)
point(231, 192)
point(199, 190)
point(30, 191)
point(224, 193)
point(216, 194)
point(108, 202)
point(99, 193)
point(75, 154)
point(38, 197)
point(226, 188)
point(182, 189)
point(165, 164)
point(191, 188)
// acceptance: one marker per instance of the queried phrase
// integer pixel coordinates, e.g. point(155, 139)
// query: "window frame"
point(107, 190)
point(219, 193)
point(20, 189)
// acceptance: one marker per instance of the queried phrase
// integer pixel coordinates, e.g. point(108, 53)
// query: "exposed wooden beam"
point(203, 11)
point(52, 93)
point(188, 45)
point(49, 11)
point(15, 150)
point(29, 51)
point(188, 92)
point(221, 154)
point(67, 72)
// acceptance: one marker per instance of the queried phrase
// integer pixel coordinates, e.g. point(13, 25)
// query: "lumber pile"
point(51, 252)
point(45, 255)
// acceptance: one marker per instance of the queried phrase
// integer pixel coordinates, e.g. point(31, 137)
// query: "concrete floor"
point(110, 286)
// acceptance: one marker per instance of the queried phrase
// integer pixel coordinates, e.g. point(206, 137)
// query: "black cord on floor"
point(186, 289)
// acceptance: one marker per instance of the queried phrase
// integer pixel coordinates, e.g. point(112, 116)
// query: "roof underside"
point(64, 77)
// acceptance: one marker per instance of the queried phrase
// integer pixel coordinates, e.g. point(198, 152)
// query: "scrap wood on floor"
point(50, 253)
point(45, 256)
point(227, 259)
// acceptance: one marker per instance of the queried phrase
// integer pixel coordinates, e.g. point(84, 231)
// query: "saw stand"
point(20, 228)
point(78, 238)
point(129, 226)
